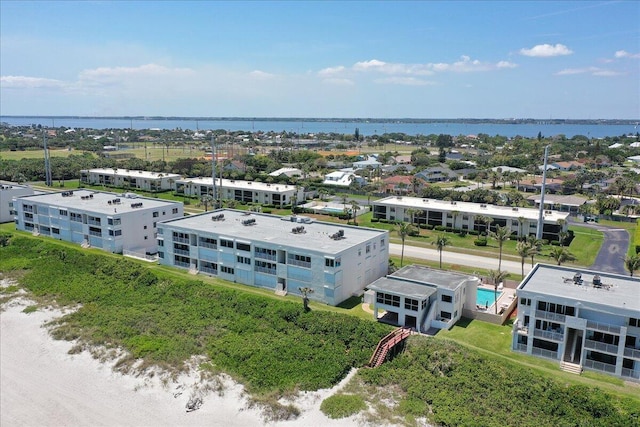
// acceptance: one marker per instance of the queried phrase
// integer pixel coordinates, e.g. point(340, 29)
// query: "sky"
point(337, 59)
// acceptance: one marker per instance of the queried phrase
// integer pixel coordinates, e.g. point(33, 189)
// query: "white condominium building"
point(284, 254)
point(112, 222)
point(468, 216)
point(133, 179)
point(9, 190)
point(584, 319)
point(242, 191)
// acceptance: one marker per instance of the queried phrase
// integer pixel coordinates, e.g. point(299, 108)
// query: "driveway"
point(614, 248)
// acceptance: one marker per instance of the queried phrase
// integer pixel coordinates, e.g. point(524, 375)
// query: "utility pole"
point(542, 189)
point(47, 161)
point(213, 171)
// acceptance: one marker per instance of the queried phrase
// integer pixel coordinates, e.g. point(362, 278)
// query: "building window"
point(381, 243)
point(174, 210)
point(226, 243)
point(146, 237)
point(388, 299)
point(634, 322)
point(145, 227)
point(55, 230)
point(299, 260)
point(368, 248)
point(161, 243)
point(445, 315)
point(243, 247)
point(328, 262)
point(63, 212)
point(154, 224)
point(243, 260)
point(525, 301)
point(411, 304)
point(446, 298)
point(156, 214)
point(160, 254)
point(227, 270)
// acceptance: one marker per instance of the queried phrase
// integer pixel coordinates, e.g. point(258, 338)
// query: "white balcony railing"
point(632, 352)
point(631, 373)
point(549, 354)
point(548, 335)
point(599, 366)
point(600, 346)
point(603, 327)
point(550, 316)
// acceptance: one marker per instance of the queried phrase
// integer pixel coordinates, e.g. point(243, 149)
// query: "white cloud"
point(338, 81)
point(331, 71)
point(261, 75)
point(107, 74)
point(407, 81)
point(506, 64)
point(625, 54)
point(547, 50)
point(29, 82)
point(594, 71)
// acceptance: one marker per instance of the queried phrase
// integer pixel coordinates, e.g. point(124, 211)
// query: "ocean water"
point(299, 126)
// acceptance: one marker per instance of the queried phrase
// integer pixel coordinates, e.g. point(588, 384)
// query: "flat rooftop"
point(133, 173)
point(617, 291)
point(81, 200)
point(470, 208)
point(239, 184)
point(403, 287)
point(275, 229)
point(439, 278)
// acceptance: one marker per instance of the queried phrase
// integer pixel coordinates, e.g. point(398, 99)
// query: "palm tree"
point(305, 296)
point(206, 200)
point(523, 249)
point(535, 245)
point(454, 216)
point(404, 229)
point(501, 235)
point(354, 210)
point(521, 221)
point(486, 220)
point(562, 236)
point(411, 213)
point(496, 277)
point(561, 254)
point(632, 263)
point(440, 242)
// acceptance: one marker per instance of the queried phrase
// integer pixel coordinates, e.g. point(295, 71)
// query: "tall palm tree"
point(632, 263)
point(561, 254)
point(440, 242)
point(535, 245)
point(404, 229)
point(521, 221)
point(523, 249)
point(206, 200)
point(486, 220)
point(496, 277)
point(305, 296)
point(354, 210)
point(501, 235)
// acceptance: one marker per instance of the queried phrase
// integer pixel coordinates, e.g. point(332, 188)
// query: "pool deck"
point(504, 302)
point(331, 207)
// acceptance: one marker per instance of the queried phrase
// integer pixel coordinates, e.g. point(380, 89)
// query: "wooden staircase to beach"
point(388, 344)
point(572, 368)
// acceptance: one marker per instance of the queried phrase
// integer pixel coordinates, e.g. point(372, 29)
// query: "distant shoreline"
point(350, 119)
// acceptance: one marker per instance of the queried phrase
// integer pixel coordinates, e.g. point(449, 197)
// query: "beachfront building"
point(343, 178)
point(111, 222)
point(470, 216)
point(130, 179)
point(584, 319)
point(242, 191)
point(423, 298)
point(9, 190)
point(283, 254)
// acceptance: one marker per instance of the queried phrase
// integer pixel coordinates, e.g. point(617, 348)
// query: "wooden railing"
point(387, 343)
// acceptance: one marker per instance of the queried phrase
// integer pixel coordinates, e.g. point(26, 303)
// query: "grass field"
point(37, 154)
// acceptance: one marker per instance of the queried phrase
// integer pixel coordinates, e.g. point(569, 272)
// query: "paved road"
point(610, 259)
point(490, 262)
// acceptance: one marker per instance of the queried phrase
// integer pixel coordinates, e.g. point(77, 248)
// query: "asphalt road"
point(490, 262)
point(610, 259)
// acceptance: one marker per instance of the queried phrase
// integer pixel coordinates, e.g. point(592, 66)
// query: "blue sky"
point(539, 59)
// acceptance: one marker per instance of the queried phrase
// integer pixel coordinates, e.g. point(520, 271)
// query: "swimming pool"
point(486, 297)
point(332, 210)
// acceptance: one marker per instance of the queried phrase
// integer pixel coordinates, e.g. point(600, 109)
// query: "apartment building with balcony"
point(108, 221)
point(468, 216)
point(283, 254)
point(584, 319)
point(422, 298)
point(9, 190)
point(132, 179)
point(242, 191)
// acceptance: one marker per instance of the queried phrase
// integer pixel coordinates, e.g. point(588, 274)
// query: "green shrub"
point(439, 228)
point(480, 242)
point(430, 227)
point(30, 309)
point(474, 232)
point(342, 405)
point(375, 219)
point(267, 211)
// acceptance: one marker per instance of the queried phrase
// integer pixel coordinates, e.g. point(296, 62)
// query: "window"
point(226, 243)
point(525, 301)
point(447, 298)
point(173, 211)
point(154, 224)
point(368, 249)
point(63, 212)
point(117, 233)
point(207, 242)
point(160, 254)
point(243, 246)
point(328, 262)
point(146, 237)
point(445, 315)
point(145, 227)
point(161, 243)
point(156, 214)
point(411, 304)
point(388, 299)
point(381, 243)
point(227, 270)
point(55, 230)
point(243, 260)
point(634, 322)
point(299, 260)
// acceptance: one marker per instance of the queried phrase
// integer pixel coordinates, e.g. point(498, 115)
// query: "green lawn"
point(38, 154)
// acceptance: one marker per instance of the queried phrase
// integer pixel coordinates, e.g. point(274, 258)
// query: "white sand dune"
point(42, 385)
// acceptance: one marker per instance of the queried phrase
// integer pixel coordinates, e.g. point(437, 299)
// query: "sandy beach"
point(41, 384)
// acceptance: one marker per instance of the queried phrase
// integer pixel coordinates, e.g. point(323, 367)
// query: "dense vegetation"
point(269, 345)
point(452, 385)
